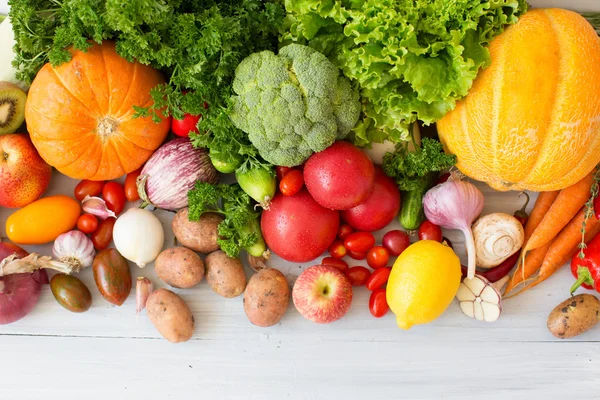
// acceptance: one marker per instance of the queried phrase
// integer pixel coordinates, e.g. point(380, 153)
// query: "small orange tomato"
point(131, 191)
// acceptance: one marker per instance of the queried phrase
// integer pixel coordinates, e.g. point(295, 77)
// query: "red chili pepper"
point(498, 272)
point(587, 269)
point(521, 215)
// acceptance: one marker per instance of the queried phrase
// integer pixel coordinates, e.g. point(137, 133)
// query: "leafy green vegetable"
point(240, 228)
point(409, 169)
point(292, 104)
point(411, 58)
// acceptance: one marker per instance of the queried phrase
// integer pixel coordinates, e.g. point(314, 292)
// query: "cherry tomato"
point(282, 171)
point(114, 196)
point(87, 223)
point(447, 242)
point(291, 183)
point(88, 188)
point(378, 257)
point(443, 178)
point(378, 305)
point(336, 263)
point(395, 242)
point(344, 231)
point(358, 276)
point(337, 249)
point(183, 127)
point(131, 192)
point(103, 235)
point(357, 255)
point(378, 278)
point(430, 231)
point(359, 241)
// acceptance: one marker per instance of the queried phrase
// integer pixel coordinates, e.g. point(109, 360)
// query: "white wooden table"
point(106, 353)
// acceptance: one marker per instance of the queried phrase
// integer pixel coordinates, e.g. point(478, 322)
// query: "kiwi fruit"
point(12, 107)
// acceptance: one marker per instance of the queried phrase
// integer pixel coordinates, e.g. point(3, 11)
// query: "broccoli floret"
point(292, 104)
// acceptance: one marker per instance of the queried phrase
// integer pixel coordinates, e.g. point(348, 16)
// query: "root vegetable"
point(179, 267)
point(480, 299)
point(497, 236)
point(201, 235)
point(574, 316)
point(266, 298)
point(170, 315)
point(225, 275)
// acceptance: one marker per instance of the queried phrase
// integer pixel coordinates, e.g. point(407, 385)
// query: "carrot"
point(565, 246)
point(568, 202)
point(528, 265)
point(541, 207)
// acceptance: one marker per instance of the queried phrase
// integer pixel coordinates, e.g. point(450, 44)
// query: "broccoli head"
point(292, 104)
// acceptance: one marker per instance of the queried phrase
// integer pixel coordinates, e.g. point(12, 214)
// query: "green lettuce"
point(412, 59)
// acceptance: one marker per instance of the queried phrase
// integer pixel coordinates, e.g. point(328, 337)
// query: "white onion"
point(138, 236)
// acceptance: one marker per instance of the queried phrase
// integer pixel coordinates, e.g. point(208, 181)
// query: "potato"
point(225, 275)
point(170, 315)
point(179, 267)
point(201, 235)
point(574, 316)
point(266, 298)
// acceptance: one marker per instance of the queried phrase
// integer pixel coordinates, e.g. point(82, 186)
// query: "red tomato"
point(357, 255)
point(88, 188)
point(103, 235)
point(378, 305)
point(443, 178)
point(114, 196)
point(87, 223)
point(430, 231)
point(297, 228)
point(183, 127)
point(291, 183)
point(378, 257)
point(379, 209)
point(282, 171)
point(359, 241)
point(358, 276)
point(131, 192)
point(378, 278)
point(344, 231)
point(395, 242)
point(337, 249)
point(336, 263)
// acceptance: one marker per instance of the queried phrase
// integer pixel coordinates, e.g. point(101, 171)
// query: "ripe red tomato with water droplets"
point(102, 237)
point(291, 183)
point(430, 231)
point(337, 249)
point(395, 242)
point(357, 255)
point(183, 127)
point(114, 196)
point(359, 241)
point(358, 276)
point(344, 231)
point(88, 188)
point(336, 263)
point(282, 171)
point(378, 257)
point(378, 305)
point(378, 278)
point(131, 190)
point(87, 223)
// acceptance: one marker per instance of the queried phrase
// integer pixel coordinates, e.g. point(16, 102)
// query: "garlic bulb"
point(74, 248)
point(479, 299)
point(497, 236)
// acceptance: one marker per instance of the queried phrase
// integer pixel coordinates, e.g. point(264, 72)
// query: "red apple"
point(24, 175)
point(322, 294)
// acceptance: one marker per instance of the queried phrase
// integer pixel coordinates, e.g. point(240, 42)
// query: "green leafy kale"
point(409, 168)
point(239, 229)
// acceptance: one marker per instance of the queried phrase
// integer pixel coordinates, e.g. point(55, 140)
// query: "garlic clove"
point(479, 299)
point(465, 294)
point(490, 295)
point(468, 308)
point(490, 311)
point(97, 207)
point(478, 314)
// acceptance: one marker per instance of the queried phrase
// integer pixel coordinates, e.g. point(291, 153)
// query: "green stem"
point(584, 276)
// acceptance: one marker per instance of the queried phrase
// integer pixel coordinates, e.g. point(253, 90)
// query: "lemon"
point(423, 282)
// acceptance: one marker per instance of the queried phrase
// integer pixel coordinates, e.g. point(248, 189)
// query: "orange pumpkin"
point(532, 119)
point(80, 114)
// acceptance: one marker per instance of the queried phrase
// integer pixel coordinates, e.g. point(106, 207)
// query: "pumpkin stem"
point(106, 127)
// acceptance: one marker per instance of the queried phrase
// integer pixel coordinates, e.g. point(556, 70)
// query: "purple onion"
point(171, 172)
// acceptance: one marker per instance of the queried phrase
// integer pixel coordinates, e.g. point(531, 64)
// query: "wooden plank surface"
point(109, 353)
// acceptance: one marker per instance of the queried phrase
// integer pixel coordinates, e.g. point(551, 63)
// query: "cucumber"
point(411, 213)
